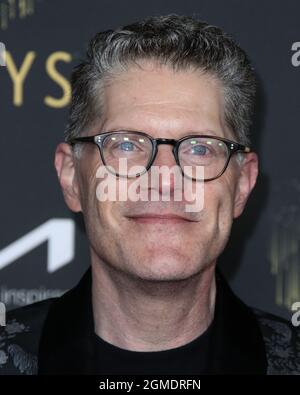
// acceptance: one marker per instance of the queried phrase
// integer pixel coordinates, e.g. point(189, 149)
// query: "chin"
point(164, 268)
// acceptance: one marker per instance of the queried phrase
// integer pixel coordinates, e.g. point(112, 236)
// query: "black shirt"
point(191, 358)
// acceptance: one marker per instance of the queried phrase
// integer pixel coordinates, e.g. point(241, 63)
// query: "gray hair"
point(181, 42)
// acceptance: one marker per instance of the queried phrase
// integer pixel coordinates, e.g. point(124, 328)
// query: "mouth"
point(164, 219)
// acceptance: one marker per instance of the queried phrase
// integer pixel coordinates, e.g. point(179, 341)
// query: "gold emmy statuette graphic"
point(285, 249)
point(15, 9)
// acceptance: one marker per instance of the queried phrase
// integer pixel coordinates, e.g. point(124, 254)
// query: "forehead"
point(154, 97)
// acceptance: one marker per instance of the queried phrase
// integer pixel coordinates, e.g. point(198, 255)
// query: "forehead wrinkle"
point(164, 120)
point(134, 85)
point(202, 102)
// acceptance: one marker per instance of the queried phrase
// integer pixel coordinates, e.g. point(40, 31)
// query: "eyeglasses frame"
point(98, 139)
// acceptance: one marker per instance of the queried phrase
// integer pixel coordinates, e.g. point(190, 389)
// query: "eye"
point(200, 150)
point(126, 146)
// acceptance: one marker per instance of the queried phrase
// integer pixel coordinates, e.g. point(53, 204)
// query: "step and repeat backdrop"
point(43, 249)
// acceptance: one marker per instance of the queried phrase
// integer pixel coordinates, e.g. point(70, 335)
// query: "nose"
point(164, 156)
point(164, 172)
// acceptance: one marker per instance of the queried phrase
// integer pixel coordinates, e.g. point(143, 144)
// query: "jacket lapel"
point(237, 343)
point(66, 345)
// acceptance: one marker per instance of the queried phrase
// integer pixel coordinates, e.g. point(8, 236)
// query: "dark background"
point(262, 258)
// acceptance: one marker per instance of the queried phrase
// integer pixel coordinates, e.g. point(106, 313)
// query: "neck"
point(142, 315)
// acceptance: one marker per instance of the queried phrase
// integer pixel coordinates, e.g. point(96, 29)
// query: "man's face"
point(167, 104)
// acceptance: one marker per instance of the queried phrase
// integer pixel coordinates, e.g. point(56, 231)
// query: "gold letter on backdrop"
point(62, 82)
point(18, 77)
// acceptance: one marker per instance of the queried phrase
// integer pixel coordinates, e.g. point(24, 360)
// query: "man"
point(168, 92)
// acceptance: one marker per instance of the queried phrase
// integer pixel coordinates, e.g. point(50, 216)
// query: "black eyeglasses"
point(140, 150)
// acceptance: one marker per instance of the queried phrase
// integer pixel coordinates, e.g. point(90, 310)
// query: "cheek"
point(218, 205)
point(93, 209)
point(108, 218)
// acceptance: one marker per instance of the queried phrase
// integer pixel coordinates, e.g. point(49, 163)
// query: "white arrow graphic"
point(60, 234)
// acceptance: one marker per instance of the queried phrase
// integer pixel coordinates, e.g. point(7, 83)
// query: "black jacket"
point(53, 337)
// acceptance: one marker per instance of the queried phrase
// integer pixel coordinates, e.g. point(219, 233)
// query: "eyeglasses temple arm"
point(87, 139)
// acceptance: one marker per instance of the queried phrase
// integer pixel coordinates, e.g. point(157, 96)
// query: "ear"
point(246, 182)
point(65, 168)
